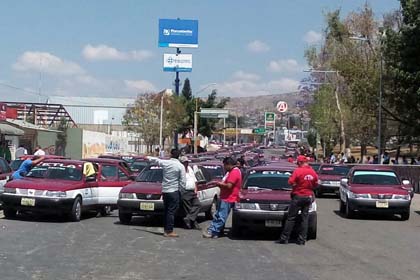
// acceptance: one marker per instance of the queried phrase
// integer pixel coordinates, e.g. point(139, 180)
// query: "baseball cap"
point(302, 159)
point(183, 159)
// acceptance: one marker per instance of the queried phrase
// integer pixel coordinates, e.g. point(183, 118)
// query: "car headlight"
point(127, 195)
point(56, 194)
point(357, 195)
point(9, 190)
point(400, 196)
point(248, 206)
point(320, 182)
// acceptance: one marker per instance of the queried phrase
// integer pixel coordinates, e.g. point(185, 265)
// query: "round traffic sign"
point(281, 106)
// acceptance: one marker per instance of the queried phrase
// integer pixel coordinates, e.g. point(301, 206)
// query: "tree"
point(61, 142)
point(186, 90)
point(144, 117)
point(402, 67)
point(208, 126)
point(189, 105)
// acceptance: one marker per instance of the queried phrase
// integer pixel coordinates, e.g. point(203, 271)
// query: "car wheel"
point(312, 226)
point(406, 215)
point(212, 210)
point(349, 212)
point(342, 207)
point(76, 210)
point(236, 229)
point(125, 218)
point(105, 211)
point(9, 213)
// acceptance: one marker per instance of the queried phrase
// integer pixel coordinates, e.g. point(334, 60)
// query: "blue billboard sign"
point(178, 33)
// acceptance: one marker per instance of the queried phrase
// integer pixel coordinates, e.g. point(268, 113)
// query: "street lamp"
point(196, 116)
point(364, 39)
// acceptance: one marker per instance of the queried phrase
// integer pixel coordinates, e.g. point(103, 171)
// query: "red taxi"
point(374, 189)
point(329, 176)
point(144, 196)
point(265, 199)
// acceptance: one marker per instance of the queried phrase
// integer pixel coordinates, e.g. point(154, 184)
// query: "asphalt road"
point(101, 248)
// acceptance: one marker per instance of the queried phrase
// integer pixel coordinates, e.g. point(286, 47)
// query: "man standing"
point(229, 194)
point(39, 151)
point(173, 181)
point(190, 202)
point(303, 181)
point(25, 167)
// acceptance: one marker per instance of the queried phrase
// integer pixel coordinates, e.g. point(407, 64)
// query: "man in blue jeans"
point(229, 194)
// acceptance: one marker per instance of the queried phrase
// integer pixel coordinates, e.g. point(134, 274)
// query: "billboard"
point(270, 120)
point(178, 33)
point(177, 62)
point(214, 113)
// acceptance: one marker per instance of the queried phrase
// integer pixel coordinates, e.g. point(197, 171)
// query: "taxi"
point(265, 199)
point(144, 196)
point(329, 176)
point(374, 189)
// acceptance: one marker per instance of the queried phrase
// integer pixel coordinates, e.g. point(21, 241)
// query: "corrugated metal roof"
point(91, 101)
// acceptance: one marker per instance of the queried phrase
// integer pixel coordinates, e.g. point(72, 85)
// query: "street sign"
point(177, 62)
point(259, 130)
point(270, 117)
point(178, 33)
point(281, 106)
point(212, 113)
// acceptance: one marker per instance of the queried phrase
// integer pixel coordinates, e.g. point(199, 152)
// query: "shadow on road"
point(49, 218)
point(369, 216)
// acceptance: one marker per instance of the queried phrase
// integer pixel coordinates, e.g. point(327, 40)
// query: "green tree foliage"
point(208, 126)
point(402, 63)
point(144, 117)
point(186, 90)
point(61, 142)
point(189, 105)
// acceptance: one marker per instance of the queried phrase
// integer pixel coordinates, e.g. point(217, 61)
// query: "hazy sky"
point(110, 48)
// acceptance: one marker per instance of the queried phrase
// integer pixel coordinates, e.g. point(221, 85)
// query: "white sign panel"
point(281, 106)
point(177, 62)
point(214, 113)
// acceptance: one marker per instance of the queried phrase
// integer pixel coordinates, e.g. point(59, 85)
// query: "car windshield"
point(315, 166)
point(268, 181)
point(375, 178)
point(62, 172)
point(150, 174)
point(16, 164)
point(334, 170)
point(215, 171)
point(138, 166)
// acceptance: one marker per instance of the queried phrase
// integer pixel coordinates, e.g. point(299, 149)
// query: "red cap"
point(302, 159)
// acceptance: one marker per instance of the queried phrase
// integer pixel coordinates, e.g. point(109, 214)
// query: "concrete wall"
point(47, 141)
point(74, 143)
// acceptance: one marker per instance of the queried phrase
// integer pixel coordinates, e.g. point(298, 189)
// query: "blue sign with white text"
point(178, 33)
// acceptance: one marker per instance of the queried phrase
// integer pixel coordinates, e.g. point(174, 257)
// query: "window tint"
point(4, 167)
point(199, 174)
point(109, 171)
point(122, 176)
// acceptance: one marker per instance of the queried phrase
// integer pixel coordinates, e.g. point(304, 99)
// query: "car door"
point(5, 172)
point(206, 187)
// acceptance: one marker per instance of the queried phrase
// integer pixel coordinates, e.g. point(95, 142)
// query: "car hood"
point(45, 184)
point(326, 177)
point(264, 195)
point(378, 189)
point(143, 187)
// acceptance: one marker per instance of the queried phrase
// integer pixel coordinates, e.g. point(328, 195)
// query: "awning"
point(10, 130)
point(27, 125)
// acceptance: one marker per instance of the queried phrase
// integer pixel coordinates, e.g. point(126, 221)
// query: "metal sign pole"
point(178, 51)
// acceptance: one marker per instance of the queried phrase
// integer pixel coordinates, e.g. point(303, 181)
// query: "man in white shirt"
point(39, 151)
point(20, 152)
point(190, 203)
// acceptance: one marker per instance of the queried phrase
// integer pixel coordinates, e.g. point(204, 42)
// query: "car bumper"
point(133, 206)
point(369, 205)
point(261, 219)
point(41, 204)
point(329, 188)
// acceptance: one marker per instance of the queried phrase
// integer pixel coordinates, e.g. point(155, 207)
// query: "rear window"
point(16, 164)
point(138, 166)
point(375, 178)
point(215, 171)
point(334, 170)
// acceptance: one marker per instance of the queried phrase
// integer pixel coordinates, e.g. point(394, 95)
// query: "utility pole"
point(178, 51)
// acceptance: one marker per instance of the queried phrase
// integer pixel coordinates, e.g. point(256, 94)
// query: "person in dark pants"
point(191, 204)
point(173, 181)
point(303, 180)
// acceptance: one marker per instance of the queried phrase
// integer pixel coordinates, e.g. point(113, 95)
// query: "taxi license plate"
point(147, 206)
point(27, 201)
point(382, 204)
point(272, 223)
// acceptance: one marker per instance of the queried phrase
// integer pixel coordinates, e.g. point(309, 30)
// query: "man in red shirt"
point(229, 194)
point(303, 180)
point(290, 159)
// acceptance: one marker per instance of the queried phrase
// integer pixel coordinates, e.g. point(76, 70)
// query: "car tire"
point(342, 207)
point(9, 213)
point(406, 215)
point(212, 210)
point(125, 218)
point(76, 210)
point(105, 211)
point(236, 229)
point(349, 212)
point(312, 227)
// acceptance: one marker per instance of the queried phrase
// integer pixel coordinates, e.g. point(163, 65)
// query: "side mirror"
point(133, 177)
point(344, 181)
point(406, 182)
point(91, 178)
